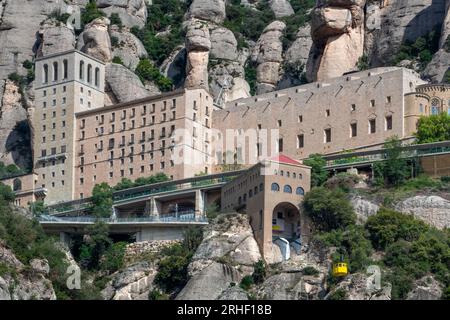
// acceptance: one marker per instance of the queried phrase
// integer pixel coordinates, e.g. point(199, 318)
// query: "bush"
point(389, 226)
point(259, 273)
point(250, 77)
point(146, 71)
point(246, 282)
point(172, 269)
point(117, 60)
point(96, 245)
point(310, 271)
point(352, 246)
point(155, 294)
point(114, 18)
point(344, 181)
point(113, 259)
point(90, 13)
point(339, 294)
point(318, 172)
point(433, 128)
point(115, 43)
point(193, 236)
point(328, 209)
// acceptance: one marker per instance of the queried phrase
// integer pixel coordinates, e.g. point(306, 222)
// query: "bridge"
point(159, 210)
point(434, 158)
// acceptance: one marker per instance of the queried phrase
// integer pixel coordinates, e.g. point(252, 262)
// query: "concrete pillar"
point(154, 208)
point(64, 238)
point(199, 203)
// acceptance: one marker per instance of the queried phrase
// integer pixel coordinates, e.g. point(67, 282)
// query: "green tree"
point(114, 257)
point(91, 12)
point(6, 194)
point(318, 172)
point(96, 243)
point(328, 209)
point(395, 169)
point(102, 200)
point(147, 71)
point(433, 128)
point(388, 226)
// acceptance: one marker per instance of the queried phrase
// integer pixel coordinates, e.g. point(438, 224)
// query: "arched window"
point(97, 77)
point(81, 70)
point(287, 189)
point(250, 193)
point(55, 71)
point(435, 106)
point(300, 191)
point(275, 187)
point(45, 78)
point(17, 184)
point(65, 71)
point(89, 73)
point(261, 187)
point(240, 200)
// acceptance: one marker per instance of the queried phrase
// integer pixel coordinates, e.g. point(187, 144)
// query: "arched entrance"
point(286, 221)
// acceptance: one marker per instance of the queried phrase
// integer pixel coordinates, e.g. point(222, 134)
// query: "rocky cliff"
point(233, 48)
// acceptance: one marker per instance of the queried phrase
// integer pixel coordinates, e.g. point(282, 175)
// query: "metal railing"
point(186, 216)
point(411, 151)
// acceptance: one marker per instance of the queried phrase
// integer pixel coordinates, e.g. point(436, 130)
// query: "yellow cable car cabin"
point(340, 269)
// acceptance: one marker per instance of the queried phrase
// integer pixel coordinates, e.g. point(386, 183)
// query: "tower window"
point(372, 126)
point(353, 130)
point(388, 122)
point(55, 71)
point(327, 135)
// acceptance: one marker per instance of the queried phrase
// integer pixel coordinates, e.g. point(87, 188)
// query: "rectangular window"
point(372, 103)
point(280, 145)
point(388, 123)
point(353, 130)
point(327, 112)
point(327, 135)
point(353, 108)
point(300, 141)
point(372, 126)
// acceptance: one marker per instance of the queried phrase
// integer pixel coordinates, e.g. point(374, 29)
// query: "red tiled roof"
point(281, 158)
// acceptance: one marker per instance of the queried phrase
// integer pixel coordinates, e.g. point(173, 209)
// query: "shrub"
point(113, 259)
point(146, 71)
point(114, 18)
point(318, 172)
point(90, 13)
point(246, 282)
point(155, 294)
point(388, 226)
point(259, 273)
point(193, 236)
point(339, 294)
point(363, 63)
point(328, 209)
point(114, 42)
point(250, 76)
point(95, 246)
point(27, 64)
point(310, 271)
point(172, 269)
point(117, 60)
point(344, 181)
point(433, 128)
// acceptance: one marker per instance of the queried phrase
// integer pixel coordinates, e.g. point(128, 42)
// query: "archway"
point(286, 221)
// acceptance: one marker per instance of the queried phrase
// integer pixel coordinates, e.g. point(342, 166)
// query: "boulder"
point(426, 288)
point(209, 10)
point(357, 286)
point(95, 40)
point(223, 44)
point(124, 84)
point(281, 8)
point(40, 266)
point(131, 12)
point(233, 293)
point(197, 36)
point(56, 39)
point(433, 210)
point(133, 283)
point(363, 208)
point(197, 69)
point(267, 53)
point(129, 48)
point(210, 282)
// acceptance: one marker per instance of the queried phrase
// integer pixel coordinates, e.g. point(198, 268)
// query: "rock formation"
point(95, 40)
point(281, 8)
point(209, 10)
point(123, 84)
point(227, 253)
point(426, 288)
point(55, 39)
point(23, 284)
point(337, 29)
point(198, 44)
point(133, 283)
point(356, 288)
point(127, 47)
point(131, 12)
point(267, 53)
